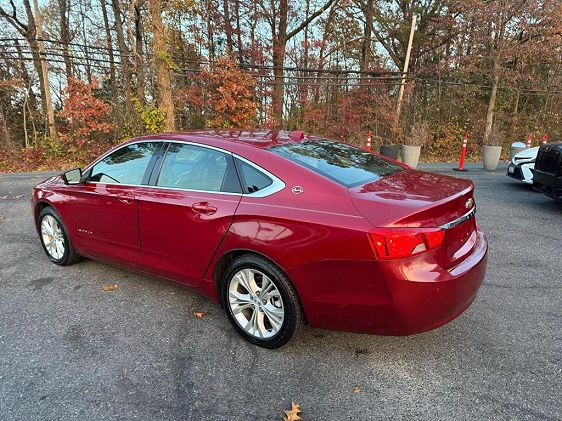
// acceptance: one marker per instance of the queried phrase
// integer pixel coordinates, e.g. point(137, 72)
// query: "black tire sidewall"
point(67, 245)
point(291, 305)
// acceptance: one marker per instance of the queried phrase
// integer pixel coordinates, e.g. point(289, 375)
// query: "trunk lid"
point(421, 199)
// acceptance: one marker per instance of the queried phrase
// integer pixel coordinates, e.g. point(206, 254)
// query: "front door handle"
point(125, 200)
point(204, 207)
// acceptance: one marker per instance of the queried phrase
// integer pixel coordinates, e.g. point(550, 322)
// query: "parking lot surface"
point(70, 351)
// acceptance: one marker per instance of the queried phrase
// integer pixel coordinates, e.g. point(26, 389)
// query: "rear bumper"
point(400, 298)
point(548, 183)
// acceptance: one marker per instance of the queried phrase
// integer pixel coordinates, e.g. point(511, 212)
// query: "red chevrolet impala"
point(278, 227)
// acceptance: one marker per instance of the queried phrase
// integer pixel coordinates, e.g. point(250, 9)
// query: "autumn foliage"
point(87, 119)
point(327, 67)
point(224, 95)
point(85, 130)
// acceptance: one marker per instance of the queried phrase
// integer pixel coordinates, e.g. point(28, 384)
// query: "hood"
point(526, 154)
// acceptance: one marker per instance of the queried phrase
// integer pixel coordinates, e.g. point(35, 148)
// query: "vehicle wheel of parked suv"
point(55, 239)
point(261, 302)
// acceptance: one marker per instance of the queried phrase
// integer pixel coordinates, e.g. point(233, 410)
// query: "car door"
point(187, 210)
point(104, 207)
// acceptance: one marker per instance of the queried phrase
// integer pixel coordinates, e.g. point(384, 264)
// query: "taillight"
point(394, 243)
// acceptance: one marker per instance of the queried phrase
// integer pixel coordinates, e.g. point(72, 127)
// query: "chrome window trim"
point(276, 186)
point(460, 220)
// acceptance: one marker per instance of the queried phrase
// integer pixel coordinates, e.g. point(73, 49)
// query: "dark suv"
point(547, 175)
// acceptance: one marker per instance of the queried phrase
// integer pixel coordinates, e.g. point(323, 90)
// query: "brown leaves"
point(199, 314)
point(109, 287)
point(6, 197)
point(293, 413)
point(356, 389)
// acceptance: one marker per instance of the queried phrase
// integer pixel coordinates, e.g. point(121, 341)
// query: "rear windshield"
point(345, 164)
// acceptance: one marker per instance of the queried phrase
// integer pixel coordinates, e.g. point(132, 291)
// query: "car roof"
point(262, 139)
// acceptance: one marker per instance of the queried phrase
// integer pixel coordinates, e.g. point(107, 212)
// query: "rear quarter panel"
point(318, 238)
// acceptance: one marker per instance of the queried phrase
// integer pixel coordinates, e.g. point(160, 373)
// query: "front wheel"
point(55, 239)
point(261, 302)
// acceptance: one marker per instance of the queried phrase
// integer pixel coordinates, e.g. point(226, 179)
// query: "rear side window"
point(345, 164)
point(253, 180)
point(194, 167)
point(126, 165)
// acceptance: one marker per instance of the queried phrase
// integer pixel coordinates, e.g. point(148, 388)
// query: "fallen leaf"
point(19, 196)
point(293, 414)
point(109, 287)
point(3, 197)
point(199, 314)
point(356, 389)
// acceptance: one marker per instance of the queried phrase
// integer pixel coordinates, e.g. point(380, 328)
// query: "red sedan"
point(280, 228)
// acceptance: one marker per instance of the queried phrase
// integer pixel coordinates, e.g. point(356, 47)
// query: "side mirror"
point(72, 176)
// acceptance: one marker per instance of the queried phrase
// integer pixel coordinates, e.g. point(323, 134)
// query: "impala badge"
point(469, 203)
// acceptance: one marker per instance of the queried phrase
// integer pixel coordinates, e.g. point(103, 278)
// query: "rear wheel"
point(261, 302)
point(55, 239)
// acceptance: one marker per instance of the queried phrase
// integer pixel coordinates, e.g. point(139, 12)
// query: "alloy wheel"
point(255, 303)
point(52, 236)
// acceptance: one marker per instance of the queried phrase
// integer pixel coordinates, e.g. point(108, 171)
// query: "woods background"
point(77, 76)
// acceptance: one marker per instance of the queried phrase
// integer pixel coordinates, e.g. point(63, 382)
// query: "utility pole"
point(406, 65)
point(51, 129)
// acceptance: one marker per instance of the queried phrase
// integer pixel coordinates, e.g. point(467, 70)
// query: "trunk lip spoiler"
point(460, 220)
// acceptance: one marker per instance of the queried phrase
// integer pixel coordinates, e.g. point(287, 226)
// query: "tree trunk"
point(210, 41)
point(161, 58)
point(492, 102)
point(279, 46)
point(109, 45)
point(325, 33)
point(87, 64)
point(139, 65)
point(239, 33)
point(227, 27)
point(124, 58)
point(366, 44)
point(496, 49)
point(65, 37)
point(44, 75)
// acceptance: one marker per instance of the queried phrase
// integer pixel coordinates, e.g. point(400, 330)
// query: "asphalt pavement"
point(69, 351)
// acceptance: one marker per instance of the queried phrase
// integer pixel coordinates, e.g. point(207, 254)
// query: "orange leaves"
point(356, 389)
point(109, 287)
point(88, 117)
point(199, 314)
point(293, 413)
point(226, 93)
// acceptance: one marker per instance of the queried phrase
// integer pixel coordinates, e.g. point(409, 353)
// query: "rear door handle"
point(204, 207)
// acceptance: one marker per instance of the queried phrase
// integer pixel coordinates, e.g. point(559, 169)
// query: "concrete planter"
point(491, 156)
point(411, 155)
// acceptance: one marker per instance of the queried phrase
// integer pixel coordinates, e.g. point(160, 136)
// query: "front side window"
point(345, 164)
point(126, 165)
point(194, 167)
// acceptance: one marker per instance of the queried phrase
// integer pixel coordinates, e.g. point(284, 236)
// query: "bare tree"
point(281, 35)
point(33, 33)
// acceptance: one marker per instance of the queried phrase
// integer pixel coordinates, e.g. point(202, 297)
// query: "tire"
point(256, 314)
point(52, 219)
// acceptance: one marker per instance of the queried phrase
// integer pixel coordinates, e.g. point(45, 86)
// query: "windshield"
point(345, 164)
